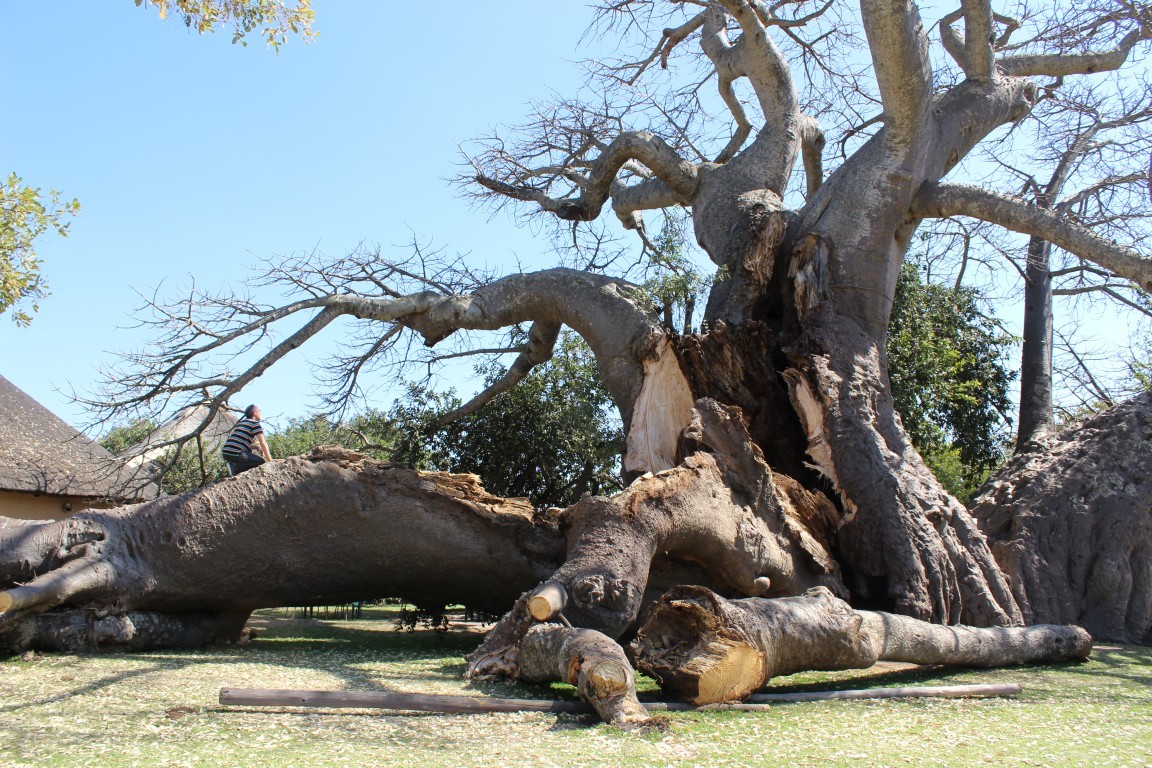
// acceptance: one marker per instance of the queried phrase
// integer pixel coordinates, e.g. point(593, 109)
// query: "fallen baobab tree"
point(763, 454)
point(163, 573)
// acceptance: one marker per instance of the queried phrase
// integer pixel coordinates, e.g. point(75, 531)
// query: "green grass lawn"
point(160, 709)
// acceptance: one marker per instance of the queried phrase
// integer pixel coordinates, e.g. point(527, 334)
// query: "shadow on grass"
point(345, 648)
point(292, 643)
point(91, 687)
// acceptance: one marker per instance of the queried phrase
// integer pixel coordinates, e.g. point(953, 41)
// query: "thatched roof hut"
point(47, 468)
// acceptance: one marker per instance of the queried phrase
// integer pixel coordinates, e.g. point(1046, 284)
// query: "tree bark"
point(1036, 348)
point(334, 526)
point(1071, 525)
point(591, 661)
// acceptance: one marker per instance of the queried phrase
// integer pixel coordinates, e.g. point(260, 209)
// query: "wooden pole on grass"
point(265, 697)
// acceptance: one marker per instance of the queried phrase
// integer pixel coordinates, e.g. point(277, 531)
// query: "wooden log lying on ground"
point(703, 648)
point(413, 702)
point(590, 660)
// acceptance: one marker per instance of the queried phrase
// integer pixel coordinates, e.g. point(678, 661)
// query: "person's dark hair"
point(249, 411)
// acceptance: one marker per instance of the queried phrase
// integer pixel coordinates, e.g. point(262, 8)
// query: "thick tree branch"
point(812, 151)
point(972, 51)
point(900, 55)
point(941, 200)
point(978, 37)
point(953, 41)
point(678, 174)
point(754, 56)
point(1064, 64)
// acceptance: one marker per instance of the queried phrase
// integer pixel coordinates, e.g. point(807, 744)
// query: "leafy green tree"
point(551, 439)
point(25, 214)
point(273, 19)
point(370, 433)
point(190, 470)
point(674, 284)
point(120, 439)
point(949, 381)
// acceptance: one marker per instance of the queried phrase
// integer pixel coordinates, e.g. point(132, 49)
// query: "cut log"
point(705, 649)
point(908, 692)
point(264, 697)
point(547, 601)
point(591, 661)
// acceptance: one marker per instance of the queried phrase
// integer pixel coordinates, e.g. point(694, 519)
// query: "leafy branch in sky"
point(274, 19)
point(25, 214)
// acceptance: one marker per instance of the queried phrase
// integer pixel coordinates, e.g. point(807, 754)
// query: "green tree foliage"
point(949, 381)
point(190, 470)
point(273, 19)
point(675, 284)
point(551, 439)
point(1141, 368)
point(25, 214)
point(369, 433)
point(120, 439)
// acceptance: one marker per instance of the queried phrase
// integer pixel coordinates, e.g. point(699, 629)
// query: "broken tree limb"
point(590, 660)
point(264, 697)
point(412, 702)
point(547, 601)
point(704, 649)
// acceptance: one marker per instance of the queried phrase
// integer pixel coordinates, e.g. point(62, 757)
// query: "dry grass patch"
point(160, 709)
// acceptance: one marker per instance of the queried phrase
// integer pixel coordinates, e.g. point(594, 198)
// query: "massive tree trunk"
point(337, 526)
point(1036, 418)
point(334, 526)
point(1071, 525)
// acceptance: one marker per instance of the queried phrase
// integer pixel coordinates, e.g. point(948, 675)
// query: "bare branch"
point(939, 200)
point(978, 38)
point(1065, 64)
point(541, 342)
point(677, 174)
point(1109, 291)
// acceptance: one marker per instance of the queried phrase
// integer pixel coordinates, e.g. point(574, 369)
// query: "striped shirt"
point(240, 441)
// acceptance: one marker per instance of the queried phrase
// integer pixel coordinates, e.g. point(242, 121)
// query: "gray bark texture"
point(1070, 523)
point(331, 527)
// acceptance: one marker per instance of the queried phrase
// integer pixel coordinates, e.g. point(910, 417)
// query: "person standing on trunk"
point(246, 436)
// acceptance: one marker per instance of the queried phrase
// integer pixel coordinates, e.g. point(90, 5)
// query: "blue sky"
point(195, 157)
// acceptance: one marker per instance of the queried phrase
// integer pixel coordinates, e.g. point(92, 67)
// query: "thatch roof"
point(40, 453)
